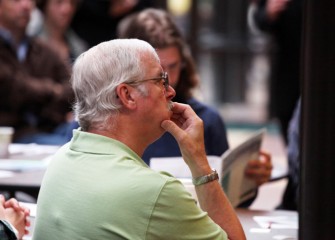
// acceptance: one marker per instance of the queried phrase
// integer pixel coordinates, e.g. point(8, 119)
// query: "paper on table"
point(4, 173)
point(20, 165)
point(31, 151)
point(277, 222)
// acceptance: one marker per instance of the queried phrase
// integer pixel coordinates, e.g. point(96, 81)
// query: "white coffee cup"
point(6, 135)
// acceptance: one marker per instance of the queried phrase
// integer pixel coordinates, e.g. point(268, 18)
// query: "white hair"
point(98, 71)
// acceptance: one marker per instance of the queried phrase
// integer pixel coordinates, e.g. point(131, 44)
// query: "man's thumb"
point(171, 127)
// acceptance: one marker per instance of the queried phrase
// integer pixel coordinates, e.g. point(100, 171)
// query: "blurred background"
point(232, 57)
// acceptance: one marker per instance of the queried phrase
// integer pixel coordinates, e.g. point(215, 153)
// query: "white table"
point(25, 167)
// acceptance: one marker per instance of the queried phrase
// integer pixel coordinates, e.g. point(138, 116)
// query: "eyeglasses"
point(164, 77)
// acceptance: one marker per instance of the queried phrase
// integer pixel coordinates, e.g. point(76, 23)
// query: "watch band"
point(205, 179)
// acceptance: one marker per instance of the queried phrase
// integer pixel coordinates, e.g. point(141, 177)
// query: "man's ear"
point(126, 94)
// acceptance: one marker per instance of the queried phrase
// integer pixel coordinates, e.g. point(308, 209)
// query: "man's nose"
point(170, 93)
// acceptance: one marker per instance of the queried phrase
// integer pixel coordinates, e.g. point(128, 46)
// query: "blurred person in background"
point(36, 95)
point(96, 20)
point(158, 28)
point(291, 195)
point(55, 29)
point(282, 19)
point(13, 219)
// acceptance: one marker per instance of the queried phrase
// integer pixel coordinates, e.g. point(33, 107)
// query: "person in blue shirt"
point(291, 195)
point(158, 28)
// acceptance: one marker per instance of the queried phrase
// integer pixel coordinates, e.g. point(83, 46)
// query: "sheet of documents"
point(4, 173)
point(277, 222)
point(21, 165)
point(26, 157)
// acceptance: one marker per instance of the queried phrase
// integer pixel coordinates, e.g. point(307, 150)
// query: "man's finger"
point(172, 128)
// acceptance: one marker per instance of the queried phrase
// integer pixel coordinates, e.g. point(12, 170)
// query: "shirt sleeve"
point(177, 216)
point(7, 231)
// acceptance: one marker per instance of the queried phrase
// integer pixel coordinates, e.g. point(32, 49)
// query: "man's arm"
point(187, 128)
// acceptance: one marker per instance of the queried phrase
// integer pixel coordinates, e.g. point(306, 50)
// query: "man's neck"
point(125, 131)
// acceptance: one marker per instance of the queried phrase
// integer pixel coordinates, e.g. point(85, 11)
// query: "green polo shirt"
point(97, 188)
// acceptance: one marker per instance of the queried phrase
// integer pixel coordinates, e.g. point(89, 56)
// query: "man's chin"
point(170, 105)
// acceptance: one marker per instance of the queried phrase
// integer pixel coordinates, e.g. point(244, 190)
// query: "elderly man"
point(98, 187)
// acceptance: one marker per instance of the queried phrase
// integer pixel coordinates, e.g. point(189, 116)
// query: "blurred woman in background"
point(55, 29)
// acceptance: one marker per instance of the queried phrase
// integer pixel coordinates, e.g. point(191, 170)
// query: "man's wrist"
point(206, 178)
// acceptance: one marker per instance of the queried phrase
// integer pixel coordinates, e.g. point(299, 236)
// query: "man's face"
point(15, 14)
point(156, 103)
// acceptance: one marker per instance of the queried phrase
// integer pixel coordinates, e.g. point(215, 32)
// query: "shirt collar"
point(98, 144)
point(6, 36)
point(21, 50)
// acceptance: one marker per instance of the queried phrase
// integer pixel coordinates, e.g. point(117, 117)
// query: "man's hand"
point(260, 169)
point(275, 7)
point(188, 130)
point(17, 215)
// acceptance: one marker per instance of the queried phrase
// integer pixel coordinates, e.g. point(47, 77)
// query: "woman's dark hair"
point(158, 28)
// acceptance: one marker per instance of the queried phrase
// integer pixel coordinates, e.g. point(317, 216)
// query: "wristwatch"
point(205, 179)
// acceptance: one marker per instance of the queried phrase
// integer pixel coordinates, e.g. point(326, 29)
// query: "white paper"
point(4, 174)
point(277, 222)
point(21, 165)
point(239, 188)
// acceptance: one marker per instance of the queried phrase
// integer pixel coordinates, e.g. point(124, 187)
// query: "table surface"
point(25, 168)
point(278, 224)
